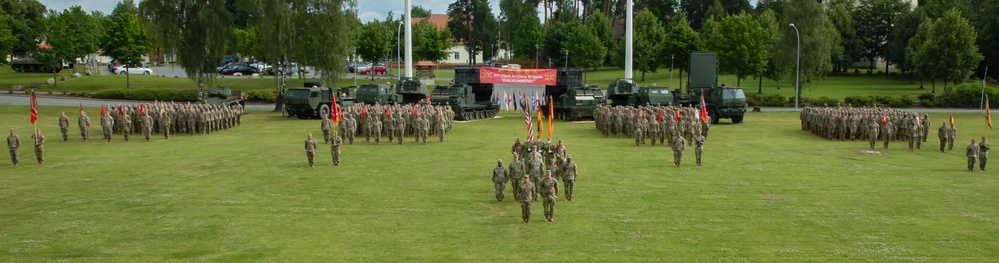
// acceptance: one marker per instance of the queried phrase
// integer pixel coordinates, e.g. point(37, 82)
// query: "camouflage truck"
point(571, 100)
point(314, 101)
point(412, 90)
point(468, 97)
point(382, 94)
point(625, 92)
point(224, 96)
point(722, 102)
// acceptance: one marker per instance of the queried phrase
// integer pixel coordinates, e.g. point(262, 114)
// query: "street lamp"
point(797, 70)
point(671, 56)
point(536, 56)
point(398, 52)
point(567, 58)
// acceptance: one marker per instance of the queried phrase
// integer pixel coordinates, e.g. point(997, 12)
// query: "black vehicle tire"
point(737, 119)
point(714, 116)
point(145, 73)
point(121, 73)
point(324, 110)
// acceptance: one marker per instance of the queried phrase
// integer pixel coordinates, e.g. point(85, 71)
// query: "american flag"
point(530, 124)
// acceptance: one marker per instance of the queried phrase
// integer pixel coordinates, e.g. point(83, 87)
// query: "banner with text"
point(517, 76)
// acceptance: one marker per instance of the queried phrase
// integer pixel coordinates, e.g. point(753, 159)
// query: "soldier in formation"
point(951, 135)
point(848, 123)
point(39, 146)
point(569, 177)
point(972, 152)
point(650, 122)
point(499, 179)
point(107, 124)
point(678, 144)
point(310, 150)
point(942, 134)
point(516, 173)
point(698, 147)
point(64, 126)
point(397, 121)
point(335, 142)
point(549, 193)
point(983, 153)
point(526, 191)
point(13, 144)
point(165, 118)
point(84, 123)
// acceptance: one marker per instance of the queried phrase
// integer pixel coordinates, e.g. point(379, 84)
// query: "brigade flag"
point(541, 120)
point(142, 108)
point(81, 107)
point(121, 111)
point(34, 108)
point(952, 120)
point(335, 113)
point(102, 110)
point(677, 114)
point(551, 116)
point(704, 110)
point(988, 117)
point(659, 117)
point(364, 111)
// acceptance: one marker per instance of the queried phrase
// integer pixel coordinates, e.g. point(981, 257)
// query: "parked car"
point(293, 68)
point(132, 70)
point(377, 70)
point(228, 64)
point(242, 69)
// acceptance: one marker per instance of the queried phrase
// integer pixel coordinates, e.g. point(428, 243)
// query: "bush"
point(766, 100)
point(262, 95)
point(823, 101)
point(968, 95)
point(150, 94)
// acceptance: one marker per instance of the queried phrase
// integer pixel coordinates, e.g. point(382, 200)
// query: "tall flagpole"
point(409, 39)
point(628, 39)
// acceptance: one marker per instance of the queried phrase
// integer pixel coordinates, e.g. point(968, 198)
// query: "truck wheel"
point(714, 116)
point(324, 111)
point(737, 119)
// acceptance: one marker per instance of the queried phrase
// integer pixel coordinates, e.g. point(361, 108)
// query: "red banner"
point(517, 76)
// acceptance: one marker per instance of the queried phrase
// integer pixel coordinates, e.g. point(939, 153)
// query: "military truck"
point(571, 100)
point(31, 65)
point(224, 96)
point(412, 90)
point(314, 101)
point(722, 102)
point(383, 94)
point(625, 92)
point(468, 97)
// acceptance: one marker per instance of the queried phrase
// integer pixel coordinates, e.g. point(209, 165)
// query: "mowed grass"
point(767, 192)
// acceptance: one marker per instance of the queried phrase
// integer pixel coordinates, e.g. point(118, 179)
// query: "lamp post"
point(567, 58)
point(398, 52)
point(671, 57)
point(536, 51)
point(797, 70)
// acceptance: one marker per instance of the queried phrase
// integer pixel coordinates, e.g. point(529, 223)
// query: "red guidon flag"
point(677, 114)
point(34, 108)
point(952, 120)
point(884, 119)
point(142, 108)
point(551, 115)
point(102, 109)
point(704, 110)
point(81, 107)
point(335, 113)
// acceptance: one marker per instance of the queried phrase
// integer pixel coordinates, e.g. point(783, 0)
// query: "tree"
point(662, 9)
point(527, 37)
point(873, 20)
point(373, 44)
point(741, 45)
point(556, 41)
point(471, 22)
point(681, 40)
point(648, 38)
point(840, 13)
point(697, 10)
point(72, 34)
point(987, 24)
point(777, 6)
point(26, 22)
point(948, 51)
point(246, 40)
point(771, 31)
point(7, 38)
point(419, 11)
point(601, 27)
point(586, 49)
point(193, 29)
point(818, 35)
point(904, 30)
point(126, 40)
point(512, 14)
point(431, 43)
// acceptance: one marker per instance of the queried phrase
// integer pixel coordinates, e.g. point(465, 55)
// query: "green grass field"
point(768, 192)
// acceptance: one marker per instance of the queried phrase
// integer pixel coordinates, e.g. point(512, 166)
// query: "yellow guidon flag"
point(551, 115)
point(988, 117)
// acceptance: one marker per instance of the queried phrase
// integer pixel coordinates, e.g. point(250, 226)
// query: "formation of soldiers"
point(979, 151)
point(157, 118)
point(393, 121)
point(534, 173)
point(871, 124)
point(654, 123)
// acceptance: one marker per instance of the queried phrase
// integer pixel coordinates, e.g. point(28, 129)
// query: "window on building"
point(457, 55)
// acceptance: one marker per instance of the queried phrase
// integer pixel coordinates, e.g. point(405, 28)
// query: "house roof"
point(438, 20)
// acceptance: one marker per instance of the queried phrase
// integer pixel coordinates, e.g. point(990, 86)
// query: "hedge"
point(149, 94)
point(262, 95)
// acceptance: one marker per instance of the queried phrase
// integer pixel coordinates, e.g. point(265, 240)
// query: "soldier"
point(698, 147)
point(326, 126)
point(638, 130)
point(516, 172)
point(13, 143)
point(534, 169)
point(549, 193)
point(424, 128)
point(553, 168)
point(84, 123)
point(926, 126)
point(942, 134)
point(107, 124)
point(147, 125)
point(972, 153)
point(442, 126)
point(887, 131)
point(569, 178)
point(350, 127)
point(39, 146)
point(517, 147)
point(64, 126)
point(310, 149)
point(872, 133)
point(653, 131)
point(499, 179)
point(526, 190)
point(336, 141)
point(376, 129)
point(165, 125)
point(983, 153)
point(913, 130)
point(389, 125)
point(126, 127)
point(678, 144)
point(951, 134)
point(400, 128)
point(918, 133)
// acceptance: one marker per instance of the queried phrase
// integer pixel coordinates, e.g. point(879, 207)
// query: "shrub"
point(262, 95)
point(823, 101)
point(766, 100)
point(149, 94)
point(968, 95)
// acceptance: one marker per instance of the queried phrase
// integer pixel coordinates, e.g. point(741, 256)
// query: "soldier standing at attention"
point(376, 129)
point(84, 123)
point(549, 193)
point(126, 127)
point(336, 141)
point(516, 173)
point(872, 133)
point(887, 132)
point(400, 128)
point(13, 143)
point(983, 153)
point(326, 126)
point(165, 125)
point(526, 190)
point(64, 126)
point(951, 135)
point(499, 180)
point(569, 178)
point(653, 128)
point(441, 126)
point(517, 147)
point(972, 153)
point(678, 144)
point(698, 146)
point(913, 131)
point(942, 134)
point(107, 123)
point(424, 128)
point(310, 149)
point(919, 132)
point(39, 146)
point(147, 125)
point(926, 126)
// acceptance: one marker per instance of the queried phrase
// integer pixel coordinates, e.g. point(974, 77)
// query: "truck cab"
point(382, 94)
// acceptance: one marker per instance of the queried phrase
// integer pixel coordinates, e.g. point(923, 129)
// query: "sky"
point(367, 9)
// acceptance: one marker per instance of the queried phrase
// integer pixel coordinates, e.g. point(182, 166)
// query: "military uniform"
point(526, 190)
point(951, 135)
point(39, 147)
point(64, 127)
point(147, 126)
point(698, 148)
point(84, 123)
point(310, 150)
point(14, 143)
point(326, 126)
point(126, 127)
point(549, 194)
point(516, 173)
point(678, 145)
point(983, 153)
point(972, 153)
point(499, 180)
point(569, 178)
point(335, 142)
point(942, 134)
point(107, 124)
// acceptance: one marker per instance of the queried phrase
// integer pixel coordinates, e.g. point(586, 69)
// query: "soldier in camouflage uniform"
point(516, 173)
point(951, 135)
point(549, 194)
point(424, 128)
point(310, 150)
point(84, 123)
point(526, 192)
point(165, 122)
point(678, 144)
point(326, 126)
point(147, 125)
point(499, 180)
point(983, 153)
point(698, 147)
point(972, 153)
point(39, 146)
point(942, 134)
point(400, 128)
point(64, 126)
point(126, 127)
point(376, 129)
point(653, 131)
point(107, 124)
point(335, 142)
point(569, 177)
point(13, 144)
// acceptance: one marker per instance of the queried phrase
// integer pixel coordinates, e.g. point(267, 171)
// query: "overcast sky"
point(367, 9)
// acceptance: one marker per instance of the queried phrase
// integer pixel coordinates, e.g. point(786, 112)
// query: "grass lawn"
point(767, 192)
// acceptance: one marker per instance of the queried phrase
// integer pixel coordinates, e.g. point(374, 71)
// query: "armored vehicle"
point(411, 90)
point(722, 102)
point(314, 101)
point(625, 92)
point(467, 97)
point(383, 94)
point(31, 65)
point(224, 96)
point(571, 100)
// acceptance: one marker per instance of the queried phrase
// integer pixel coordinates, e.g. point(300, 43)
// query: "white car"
point(121, 70)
